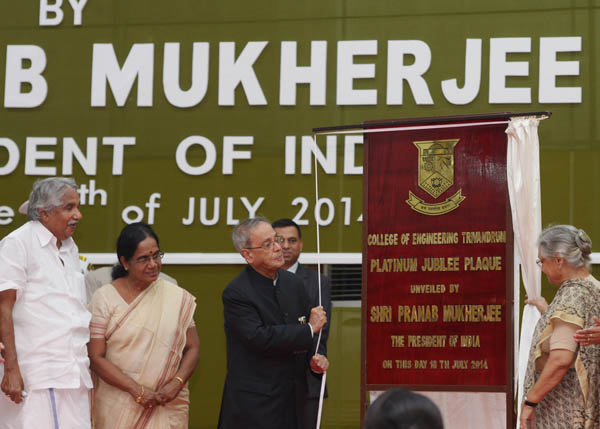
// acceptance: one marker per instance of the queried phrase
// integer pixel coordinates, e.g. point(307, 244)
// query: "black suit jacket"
point(266, 351)
point(311, 285)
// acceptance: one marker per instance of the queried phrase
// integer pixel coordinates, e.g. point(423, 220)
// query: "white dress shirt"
point(50, 318)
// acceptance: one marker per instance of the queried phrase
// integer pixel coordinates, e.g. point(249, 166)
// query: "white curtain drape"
point(523, 174)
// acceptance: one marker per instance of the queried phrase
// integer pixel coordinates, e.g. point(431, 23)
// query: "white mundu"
point(48, 409)
point(51, 325)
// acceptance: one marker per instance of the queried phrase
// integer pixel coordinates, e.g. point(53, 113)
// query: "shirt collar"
point(293, 268)
point(260, 279)
point(45, 237)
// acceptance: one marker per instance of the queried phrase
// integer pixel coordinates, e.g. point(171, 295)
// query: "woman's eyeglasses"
point(143, 260)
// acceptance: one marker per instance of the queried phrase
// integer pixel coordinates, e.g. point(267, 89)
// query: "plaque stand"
point(437, 293)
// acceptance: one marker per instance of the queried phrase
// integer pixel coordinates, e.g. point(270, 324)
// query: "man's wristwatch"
point(529, 403)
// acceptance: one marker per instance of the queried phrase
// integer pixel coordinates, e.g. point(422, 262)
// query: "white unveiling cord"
point(363, 131)
point(322, 393)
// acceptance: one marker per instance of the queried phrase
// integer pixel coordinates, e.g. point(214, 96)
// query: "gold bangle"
point(139, 398)
point(180, 380)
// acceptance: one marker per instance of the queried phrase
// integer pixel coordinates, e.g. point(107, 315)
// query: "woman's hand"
point(527, 420)
point(589, 336)
point(539, 303)
point(168, 391)
point(147, 398)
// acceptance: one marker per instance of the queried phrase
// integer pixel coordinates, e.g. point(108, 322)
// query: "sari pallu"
point(146, 343)
point(576, 302)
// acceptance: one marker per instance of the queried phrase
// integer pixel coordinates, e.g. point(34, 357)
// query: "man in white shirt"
point(44, 323)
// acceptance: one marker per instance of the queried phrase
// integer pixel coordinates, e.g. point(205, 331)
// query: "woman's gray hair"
point(47, 194)
point(567, 242)
point(242, 231)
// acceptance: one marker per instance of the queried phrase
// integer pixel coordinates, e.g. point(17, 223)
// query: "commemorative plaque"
point(437, 257)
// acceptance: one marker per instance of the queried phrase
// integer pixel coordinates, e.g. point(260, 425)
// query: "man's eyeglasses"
point(269, 244)
point(143, 260)
point(540, 262)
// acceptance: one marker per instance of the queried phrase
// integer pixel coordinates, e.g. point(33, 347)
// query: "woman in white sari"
point(144, 345)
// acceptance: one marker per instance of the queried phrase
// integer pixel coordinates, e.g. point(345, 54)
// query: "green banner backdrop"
point(192, 115)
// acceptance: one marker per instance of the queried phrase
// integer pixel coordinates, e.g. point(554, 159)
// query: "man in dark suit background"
point(269, 330)
point(291, 246)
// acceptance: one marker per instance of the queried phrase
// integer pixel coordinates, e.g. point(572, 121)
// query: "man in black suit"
point(269, 330)
point(291, 246)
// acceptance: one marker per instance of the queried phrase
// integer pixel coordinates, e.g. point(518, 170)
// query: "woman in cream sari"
point(561, 383)
point(144, 346)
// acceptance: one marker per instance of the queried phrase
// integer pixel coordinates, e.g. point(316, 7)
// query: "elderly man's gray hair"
point(48, 194)
point(241, 233)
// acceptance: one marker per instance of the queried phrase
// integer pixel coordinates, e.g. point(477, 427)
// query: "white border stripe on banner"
point(227, 258)
point(236, 258)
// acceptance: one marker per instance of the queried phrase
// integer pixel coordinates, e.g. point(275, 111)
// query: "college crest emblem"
point(436, 176)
